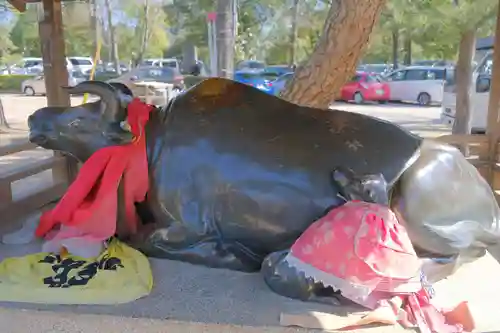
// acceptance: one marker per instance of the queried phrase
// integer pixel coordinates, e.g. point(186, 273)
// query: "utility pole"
point(225, 40)
point(112, 37)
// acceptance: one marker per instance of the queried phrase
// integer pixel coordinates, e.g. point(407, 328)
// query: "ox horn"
point(110, 107)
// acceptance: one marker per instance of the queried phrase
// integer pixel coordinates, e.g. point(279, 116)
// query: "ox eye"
point(75, 123)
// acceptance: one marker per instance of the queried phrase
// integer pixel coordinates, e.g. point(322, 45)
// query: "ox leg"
point(447, 207)
point(286, 281)
point(198, 242)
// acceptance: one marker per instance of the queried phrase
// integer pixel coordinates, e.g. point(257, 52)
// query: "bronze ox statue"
point(237, 174)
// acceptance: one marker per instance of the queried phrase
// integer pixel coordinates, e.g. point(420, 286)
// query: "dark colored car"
point(256, 79)
point(250, 65)
point(275, 71)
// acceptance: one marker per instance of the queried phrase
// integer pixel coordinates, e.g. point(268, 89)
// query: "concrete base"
point(43, 321)
point(189, 293)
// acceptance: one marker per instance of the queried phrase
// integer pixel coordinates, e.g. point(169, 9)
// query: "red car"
point(365, 87)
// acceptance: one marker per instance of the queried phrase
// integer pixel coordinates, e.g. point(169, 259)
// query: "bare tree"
point(94, 22)
point(395, 47)
point(145, 32)
point(463, 74)
point(3, 121)
point(112, 37)
point(464, 71)
point(407, 46)
point(294, 31)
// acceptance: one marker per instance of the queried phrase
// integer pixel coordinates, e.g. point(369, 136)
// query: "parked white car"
point(84, 64)
point(162, 62)
point(479, 95)
point(421, 84)
point(36, 85)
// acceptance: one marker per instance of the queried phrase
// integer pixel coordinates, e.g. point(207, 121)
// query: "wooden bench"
point(12, 208)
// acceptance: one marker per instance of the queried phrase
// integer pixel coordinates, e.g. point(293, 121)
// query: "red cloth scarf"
point(91, 201)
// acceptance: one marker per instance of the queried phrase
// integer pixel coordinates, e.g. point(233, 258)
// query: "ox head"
point(81, 130)
point(368, 188)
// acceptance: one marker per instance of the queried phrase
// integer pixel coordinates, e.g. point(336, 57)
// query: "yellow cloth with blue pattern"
point(120, 274)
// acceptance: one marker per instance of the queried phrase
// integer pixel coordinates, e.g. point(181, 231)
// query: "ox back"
point(237, 174)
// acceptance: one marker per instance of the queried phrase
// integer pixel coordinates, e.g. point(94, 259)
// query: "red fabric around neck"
point(91, 201)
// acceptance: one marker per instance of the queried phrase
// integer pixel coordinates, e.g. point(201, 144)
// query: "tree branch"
point(487, 16)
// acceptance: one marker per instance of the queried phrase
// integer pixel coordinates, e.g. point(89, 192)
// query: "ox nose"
point(38, 138)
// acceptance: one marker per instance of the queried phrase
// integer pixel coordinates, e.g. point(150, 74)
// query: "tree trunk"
point(395, 47)
point(145, 33)
point(112, 38)
point(94, 23)
point(225, 38)
point(463, 73)
point(294, 31)
point(407, 48)
point(345, 35)
point(3, 121)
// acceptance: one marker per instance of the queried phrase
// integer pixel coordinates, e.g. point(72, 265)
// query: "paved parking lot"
point(421, 120)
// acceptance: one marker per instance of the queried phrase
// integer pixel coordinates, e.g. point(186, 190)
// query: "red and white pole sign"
point(212, 42)
point(212, 16)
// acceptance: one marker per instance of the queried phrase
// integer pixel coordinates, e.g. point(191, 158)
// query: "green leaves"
point(435, 26)
point(264, 27)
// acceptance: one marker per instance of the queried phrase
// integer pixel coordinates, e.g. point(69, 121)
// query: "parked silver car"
point(36, 85)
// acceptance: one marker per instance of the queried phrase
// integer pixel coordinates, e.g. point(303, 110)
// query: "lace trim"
point(351, 290)
point(348, 289)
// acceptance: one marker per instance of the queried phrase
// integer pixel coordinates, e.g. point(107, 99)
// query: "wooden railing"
point(12, 208)
point(485, 160)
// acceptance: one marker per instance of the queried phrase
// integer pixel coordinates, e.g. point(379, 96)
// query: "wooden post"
point(493, 125)
point(55, 71)
point(53, 53)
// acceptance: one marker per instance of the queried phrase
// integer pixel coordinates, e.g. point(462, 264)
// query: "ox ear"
point(111, 109)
